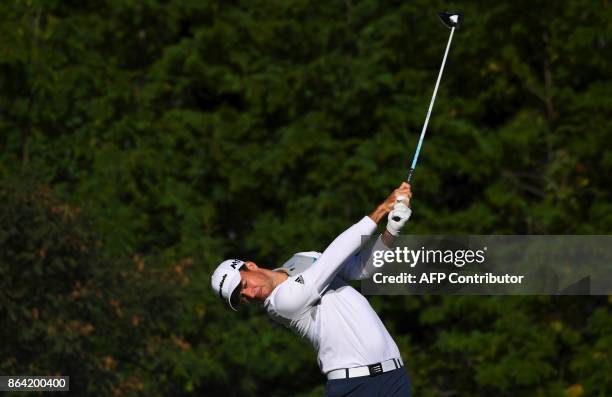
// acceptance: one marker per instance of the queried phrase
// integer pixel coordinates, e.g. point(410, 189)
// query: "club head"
point(451, 19)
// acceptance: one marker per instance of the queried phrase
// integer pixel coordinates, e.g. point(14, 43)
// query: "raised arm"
point(304, 290)
point(346, 244)
point(322, 272)
point(360, 266)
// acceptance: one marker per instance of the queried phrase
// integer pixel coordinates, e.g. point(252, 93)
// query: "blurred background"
point(141, 142)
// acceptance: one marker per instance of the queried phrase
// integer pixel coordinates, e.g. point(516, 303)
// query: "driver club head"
point(451, 19)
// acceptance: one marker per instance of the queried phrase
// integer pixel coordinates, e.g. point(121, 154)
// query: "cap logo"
point(300, 280)
point(235, 263)
point(221, 285)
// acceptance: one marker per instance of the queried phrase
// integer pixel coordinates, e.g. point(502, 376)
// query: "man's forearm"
point(378, 214)
point(332, 258)
point(387, 238)
point(362, 266)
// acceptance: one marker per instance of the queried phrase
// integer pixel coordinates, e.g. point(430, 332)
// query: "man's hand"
point(403, 193)
point(398, 218)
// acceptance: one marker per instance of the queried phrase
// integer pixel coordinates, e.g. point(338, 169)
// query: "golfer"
point(309, 295)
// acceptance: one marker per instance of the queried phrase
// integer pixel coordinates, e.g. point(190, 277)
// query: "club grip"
point(410, 173)
point(409, 179)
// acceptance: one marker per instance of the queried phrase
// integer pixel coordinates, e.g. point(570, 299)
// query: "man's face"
point(256, 283)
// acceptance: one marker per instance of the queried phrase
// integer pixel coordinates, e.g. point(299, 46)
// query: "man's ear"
point(251, 266)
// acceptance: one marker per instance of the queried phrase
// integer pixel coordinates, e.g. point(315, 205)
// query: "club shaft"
point(433, 99)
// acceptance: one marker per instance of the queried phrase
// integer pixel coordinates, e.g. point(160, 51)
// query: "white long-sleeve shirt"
point(318, 305)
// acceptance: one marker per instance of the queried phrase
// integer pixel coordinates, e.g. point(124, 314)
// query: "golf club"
point(451, 20)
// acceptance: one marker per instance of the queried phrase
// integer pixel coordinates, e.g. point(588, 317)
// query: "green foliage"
point(189, 131)
point(67, 308)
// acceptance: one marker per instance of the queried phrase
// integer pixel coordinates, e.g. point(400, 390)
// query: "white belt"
point(366, 370)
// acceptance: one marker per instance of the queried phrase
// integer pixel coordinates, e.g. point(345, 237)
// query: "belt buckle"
point(375, 369)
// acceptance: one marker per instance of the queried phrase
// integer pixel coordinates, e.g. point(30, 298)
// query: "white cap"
point(226, 279)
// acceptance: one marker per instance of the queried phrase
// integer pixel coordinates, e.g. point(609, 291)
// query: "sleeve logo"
point(300, 280)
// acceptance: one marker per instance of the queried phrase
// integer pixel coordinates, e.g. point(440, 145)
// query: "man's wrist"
point(387, 238)
point(378, 214)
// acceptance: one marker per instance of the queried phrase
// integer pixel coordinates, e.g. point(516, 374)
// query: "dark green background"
point(141, 142)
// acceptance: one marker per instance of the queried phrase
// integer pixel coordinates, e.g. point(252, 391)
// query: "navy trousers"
point(389, 384)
